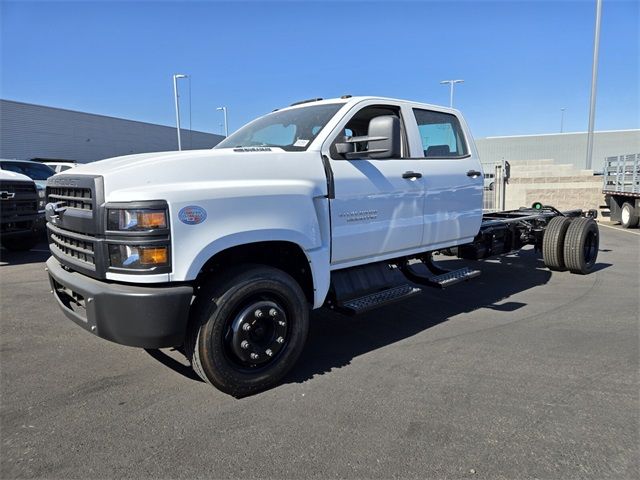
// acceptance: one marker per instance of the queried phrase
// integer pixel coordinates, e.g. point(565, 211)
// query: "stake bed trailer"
point(622, 189)
point(335, 203)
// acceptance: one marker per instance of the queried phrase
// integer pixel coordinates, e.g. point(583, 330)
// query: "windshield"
point(292, 130)
point(34, 171)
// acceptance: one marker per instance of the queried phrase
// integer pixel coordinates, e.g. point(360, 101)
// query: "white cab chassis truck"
point(327, 203)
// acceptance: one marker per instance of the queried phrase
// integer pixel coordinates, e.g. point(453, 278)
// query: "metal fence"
point(496, 175)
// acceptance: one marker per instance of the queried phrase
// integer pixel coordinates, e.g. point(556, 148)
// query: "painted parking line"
point(619, 229)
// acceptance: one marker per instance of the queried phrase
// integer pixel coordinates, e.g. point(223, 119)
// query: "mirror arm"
point(361, 155)
point(364, 138)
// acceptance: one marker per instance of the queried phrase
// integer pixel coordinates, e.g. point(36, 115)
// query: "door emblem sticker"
point(192, 215)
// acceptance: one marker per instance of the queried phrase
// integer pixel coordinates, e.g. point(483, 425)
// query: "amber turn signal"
point(153, 255)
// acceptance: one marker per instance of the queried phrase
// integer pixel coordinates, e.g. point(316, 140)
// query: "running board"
point(378, 299)
point(441, 278)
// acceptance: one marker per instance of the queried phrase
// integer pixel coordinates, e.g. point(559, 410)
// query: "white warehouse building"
point(562, 148)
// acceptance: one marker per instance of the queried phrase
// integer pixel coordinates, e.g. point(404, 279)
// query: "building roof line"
point(557, 134)
point(107, 116)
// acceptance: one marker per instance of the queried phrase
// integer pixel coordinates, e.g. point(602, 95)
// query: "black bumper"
point(147, 317)
point(25, 226)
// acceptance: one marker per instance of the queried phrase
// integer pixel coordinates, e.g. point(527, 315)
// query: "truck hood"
point(151, 176)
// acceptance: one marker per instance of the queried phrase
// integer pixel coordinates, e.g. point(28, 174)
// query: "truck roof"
point(357, 99)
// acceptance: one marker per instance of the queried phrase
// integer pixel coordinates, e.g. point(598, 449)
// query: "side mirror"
point(384, 132)
point(382, 139)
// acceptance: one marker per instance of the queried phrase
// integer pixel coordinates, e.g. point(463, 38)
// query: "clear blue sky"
point(521, 60)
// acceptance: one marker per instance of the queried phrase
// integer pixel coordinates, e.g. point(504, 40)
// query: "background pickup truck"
point(21, 223)
point(337, 203)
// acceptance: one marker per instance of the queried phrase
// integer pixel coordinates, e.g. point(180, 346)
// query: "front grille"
point(73, 197)
point(79, 247)
point(23, 201)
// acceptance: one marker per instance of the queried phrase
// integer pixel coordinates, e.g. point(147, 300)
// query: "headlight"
point(138, 256)
point(135, 220)
point(41, 199)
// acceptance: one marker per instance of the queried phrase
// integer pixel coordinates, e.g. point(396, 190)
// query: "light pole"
point(226, 125)
point(594, 81)
point(175, 97)
point(451, 84)
point(562, 119)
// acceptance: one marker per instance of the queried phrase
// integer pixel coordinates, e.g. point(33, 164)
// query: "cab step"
point(453, 277)
point(439, 277)
point(373, 300)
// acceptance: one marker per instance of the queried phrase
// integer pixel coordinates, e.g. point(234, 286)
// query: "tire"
point(553, 243)
point(20, 244)
point(581, 245)
point(628, 217)
point(218, 329)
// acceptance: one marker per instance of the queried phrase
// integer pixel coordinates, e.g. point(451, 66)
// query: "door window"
point(441, 134)
point(358, 126)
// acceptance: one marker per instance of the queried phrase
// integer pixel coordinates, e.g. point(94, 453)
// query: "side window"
point(441, 134)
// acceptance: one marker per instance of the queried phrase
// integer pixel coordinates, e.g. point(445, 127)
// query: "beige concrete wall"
point(562, 186)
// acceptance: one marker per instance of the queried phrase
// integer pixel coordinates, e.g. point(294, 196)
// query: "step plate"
point(456, 276)
point(373, 300)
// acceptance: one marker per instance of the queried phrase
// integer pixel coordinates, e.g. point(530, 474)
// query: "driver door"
point(377, 211)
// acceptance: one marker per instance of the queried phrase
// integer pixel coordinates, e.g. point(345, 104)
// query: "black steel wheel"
point(581, 245)
point(247, 329)
point(553, 243)
point(628, 216)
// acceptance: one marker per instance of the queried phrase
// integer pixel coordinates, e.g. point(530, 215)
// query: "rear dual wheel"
point(571, 244)
point(581, 245)
point(247, 329)
point(553, 243)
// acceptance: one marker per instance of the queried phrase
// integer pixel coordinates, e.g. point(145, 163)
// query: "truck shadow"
point(335, 339)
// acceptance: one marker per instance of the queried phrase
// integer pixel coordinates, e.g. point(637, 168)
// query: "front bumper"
point(147, 317)
point(24, 226)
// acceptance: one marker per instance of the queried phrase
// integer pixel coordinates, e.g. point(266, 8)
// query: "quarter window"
point(441, 134)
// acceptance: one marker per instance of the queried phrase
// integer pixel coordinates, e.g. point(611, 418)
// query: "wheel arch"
point(285, 255)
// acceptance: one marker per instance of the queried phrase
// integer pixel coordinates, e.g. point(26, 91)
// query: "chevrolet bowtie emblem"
point(4, 195)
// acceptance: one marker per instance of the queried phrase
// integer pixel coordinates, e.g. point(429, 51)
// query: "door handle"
point(411, 175)
point(474, 173)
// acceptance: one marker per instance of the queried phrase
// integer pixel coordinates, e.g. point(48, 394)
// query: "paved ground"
point(519, 374)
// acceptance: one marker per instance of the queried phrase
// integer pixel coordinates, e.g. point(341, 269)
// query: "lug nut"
point(254, 356)
point(273, 312)
point(281, 323)
point(258, 313)
point(244, 344)
point(280, 340)
point(246, 327)
point(268, 352)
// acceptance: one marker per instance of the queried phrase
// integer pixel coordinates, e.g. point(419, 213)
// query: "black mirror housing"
point(344, 148)
point(386, 131)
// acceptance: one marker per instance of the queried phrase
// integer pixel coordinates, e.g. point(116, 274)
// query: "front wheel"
point(247, 329)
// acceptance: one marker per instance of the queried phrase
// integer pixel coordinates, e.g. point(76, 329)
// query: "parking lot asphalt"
point(521, 373)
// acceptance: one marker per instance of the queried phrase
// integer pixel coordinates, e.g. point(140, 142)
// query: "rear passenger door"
point(452, 177)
